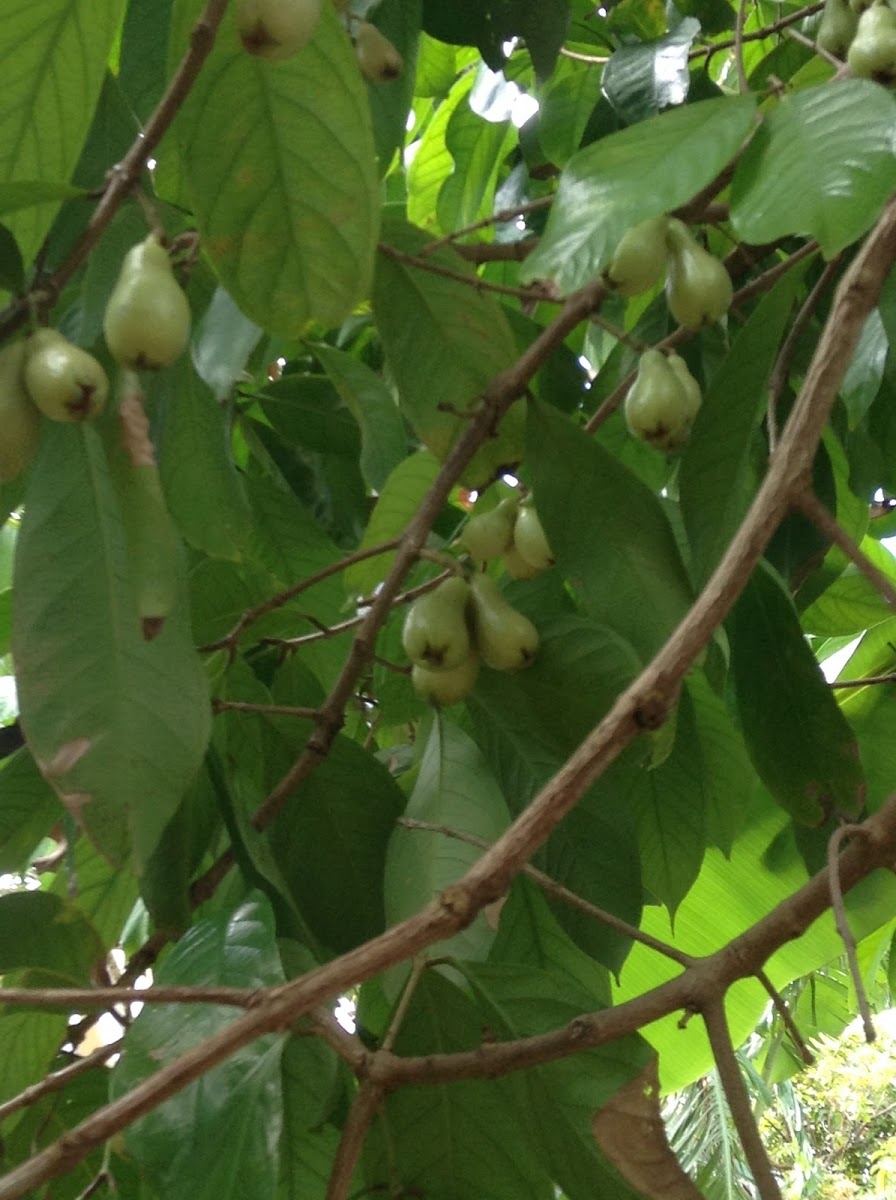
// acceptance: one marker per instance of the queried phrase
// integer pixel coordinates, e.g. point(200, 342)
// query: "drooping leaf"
point(445, 341)
point(117, 724)
point(611, 185)
point(47, 105)
point(643, 78)
point(242, 1095)
point(799, 741)
point(821, 164)
point(609, 534)
point(249, 138)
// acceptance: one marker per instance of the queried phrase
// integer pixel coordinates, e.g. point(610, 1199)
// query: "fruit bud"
point(659, 408)
point(64, 381)
point(487, 535)
point(639, 259)
point(435, 633)
point(276, 29)
point(147, 320)
point(698, 288)
point(530, 539)
point(377, 57)
point(505, 638)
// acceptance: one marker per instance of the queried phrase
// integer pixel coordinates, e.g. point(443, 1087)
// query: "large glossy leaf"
point(477, 148)
point(203, 490)
point(250, 137)
point(718, 472)
point(643, 78)
point(241, 1095)
point(799, 741)
point(117, 724)
point(457, 1141)
point(821, 164)
point(454, 788)
point(610, 536)
point(445, 341)
point(567, 101)
point(43, 931)
point(650, 168)
point(53, 60)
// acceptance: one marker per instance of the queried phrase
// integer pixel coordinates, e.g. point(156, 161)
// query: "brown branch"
point(553, 888)
point(57, 1080)
point(285, 710)
point(103, 997)
point(742, 82)
point(890, 677)
point(780, 1006)
point(126, 174)
point(849, 942)
point(811, 506)
point(228, 642)
point(759, 34)
point(540, 290)
point(739, 1100)
point(499, 218)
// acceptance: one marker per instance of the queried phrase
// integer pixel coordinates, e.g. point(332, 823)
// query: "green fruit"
point(147, 320)
point(446, 687)
point(516, 566)
point(698, 288)
point(487, 535)
point(377, 57)
point(640, 258)
point(435, 634)
point(276, 29)
point(837, 28)
point(530, 539)
point(657, 408)
point(505, 638)
point(689, 384)
point(19, 419)
point(64, 381)
point(872, 54)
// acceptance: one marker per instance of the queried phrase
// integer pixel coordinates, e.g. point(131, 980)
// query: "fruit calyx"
point(276, 29)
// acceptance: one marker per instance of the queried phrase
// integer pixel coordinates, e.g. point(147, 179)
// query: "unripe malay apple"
point(147, 320)
point(64, 381)
point(276, 29)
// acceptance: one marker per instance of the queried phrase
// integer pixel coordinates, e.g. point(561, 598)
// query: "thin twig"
point(739, 1100)
point(742, 81)
point(759, 34)
point(57, 1080)
point(843, 928)
point(809, 504)
point(547, 884)
point(103, 997)
point(285, 710)
point(504, 217)
point(541, 291)
point(890, 677)
point(780, 1006)
point(781, 368)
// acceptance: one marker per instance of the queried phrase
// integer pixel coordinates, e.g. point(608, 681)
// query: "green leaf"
point(445, 342)
point(478, 148)
point(460, 1140)
point(432, 162)
point(567, 102)
point(28, 809)
point(222, 344)
point(728, 776)
point(799, 741)
point(384, 442)
point(642, 79)
point(851, 604)
point(117, 725)
point(718, 472)
point(397, 504)
point(542, 26)
point(609, 534)
point(28, 1042)
point(821, 164)
point(105, 895)
point(250, 138)
point(308, 1144)
point(203, 490)
point(399, 21)
point(864, 374)
point(241, 1095)
point(454, 788)
point(637, 173)
point(38, 930)
point(52, 60)
point(142, 72)
point(308, 411)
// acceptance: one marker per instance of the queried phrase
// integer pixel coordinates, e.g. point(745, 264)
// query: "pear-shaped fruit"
point(698, 288)
point(505, 638)
point(657, 408)
point(872, 54)
point(436, 634)
point(276, 29)
point(19, 419)
point(377, 57)
point(487, 535)
point(516, 566)
point(147, 320)
point(530, 539)
point(837, 28)
point(64, 381)
point(446, 687)
point(640, 258)
point(690, 385)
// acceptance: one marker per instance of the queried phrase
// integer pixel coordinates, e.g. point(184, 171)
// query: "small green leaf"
point(241, 1095)
point(28, 809)
point(610, 536)
point(642, 79)
point(821, 164)
point(631, 175)
point(799, 740)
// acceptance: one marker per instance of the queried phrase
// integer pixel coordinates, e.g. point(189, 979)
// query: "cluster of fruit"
point(698, 288)
point(662, 403)
point(465, 621)
point(864, 34)
point(147, 323)
point(278, 29)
